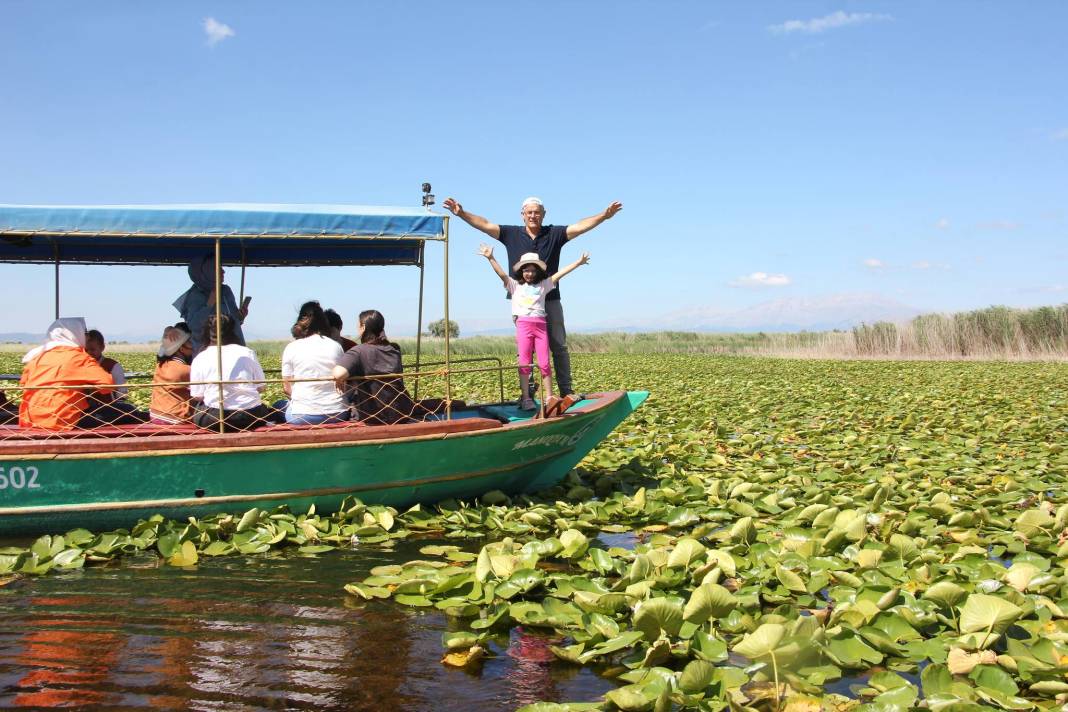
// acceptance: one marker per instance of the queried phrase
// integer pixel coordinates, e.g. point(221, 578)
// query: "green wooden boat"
point(104, 483)
point(103, 480)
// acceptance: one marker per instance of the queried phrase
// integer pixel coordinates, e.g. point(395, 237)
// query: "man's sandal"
point(555, 407)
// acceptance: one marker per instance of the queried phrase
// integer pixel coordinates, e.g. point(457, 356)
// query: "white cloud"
point(998, 225)
point(761, 279)
point(872, 263)
point(216, 31)
point(922, 264)
point(828, 22)
point(1061, 135)
point(942, 224)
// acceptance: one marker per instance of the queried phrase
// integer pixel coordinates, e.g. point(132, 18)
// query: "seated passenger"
point(313, 355)
point(172, 403)
point(9, 412)
point(377, 401)
point(110, 408)
point(336, 325)
point(60, 361)
point(242, 407)
point(94, 346)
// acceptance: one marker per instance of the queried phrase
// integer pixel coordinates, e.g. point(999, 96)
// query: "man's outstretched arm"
point(587, 224)
point(476, 221)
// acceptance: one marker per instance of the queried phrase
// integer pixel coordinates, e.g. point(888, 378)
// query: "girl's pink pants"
point(532, 336)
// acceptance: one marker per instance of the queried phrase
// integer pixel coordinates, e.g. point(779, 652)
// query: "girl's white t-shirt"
point(313, 357)
point(529, 299)
point(238, 364)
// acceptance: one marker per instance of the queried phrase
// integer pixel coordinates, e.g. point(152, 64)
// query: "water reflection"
point(270, 632)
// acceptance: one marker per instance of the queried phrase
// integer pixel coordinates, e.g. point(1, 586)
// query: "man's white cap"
point(533, 201)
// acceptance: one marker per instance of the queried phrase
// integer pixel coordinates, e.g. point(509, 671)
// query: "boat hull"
point(107, 490)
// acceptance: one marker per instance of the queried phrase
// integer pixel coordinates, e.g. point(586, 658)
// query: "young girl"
point(528, 287)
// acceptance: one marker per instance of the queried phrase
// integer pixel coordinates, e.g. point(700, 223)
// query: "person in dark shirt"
point(379, 401)
point(547, 241)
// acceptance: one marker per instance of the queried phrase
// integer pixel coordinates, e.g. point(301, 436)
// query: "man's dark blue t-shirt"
point(550, 241)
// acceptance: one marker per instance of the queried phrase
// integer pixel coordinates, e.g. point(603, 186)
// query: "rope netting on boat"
point(146, 409)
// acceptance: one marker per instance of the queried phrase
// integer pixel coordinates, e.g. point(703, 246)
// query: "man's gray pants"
point(554, 316)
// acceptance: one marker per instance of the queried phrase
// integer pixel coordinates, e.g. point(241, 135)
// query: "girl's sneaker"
point(527, 403)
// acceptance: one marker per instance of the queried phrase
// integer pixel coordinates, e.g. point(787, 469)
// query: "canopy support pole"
point(419, 318)
point(218, 328)
point(448, 367)
point(55, 247)
point(241, 299)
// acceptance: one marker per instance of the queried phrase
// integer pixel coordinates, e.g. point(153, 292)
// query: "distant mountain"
point(16, 337)
point(19, 337)
point(836, 311)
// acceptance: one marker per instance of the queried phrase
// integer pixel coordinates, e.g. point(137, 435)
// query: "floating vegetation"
point(772, 535)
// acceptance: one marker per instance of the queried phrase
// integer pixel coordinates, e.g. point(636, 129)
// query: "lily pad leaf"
point(685, 552)
point(367, 592)
point(69, 559)
point(168, 545)
point(632, 698)
point(982, 612)
point(186, 556)
point(624, 640)
point(696, 676)
point(709, 600)
point(946, 593)
point(743, 531)
point(575, 544)
point(658, 614)
point(790, 580)
point(465, 658)
point(1034, 522)
point(762, 642)
point(248, 519)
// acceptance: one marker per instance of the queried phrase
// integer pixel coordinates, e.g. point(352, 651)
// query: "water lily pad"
point(696, 676)
point(185, 556)
point(709, 601)
point(982, 612)
point(658, 615)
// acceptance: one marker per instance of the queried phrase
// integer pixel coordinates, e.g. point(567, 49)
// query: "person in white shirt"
point(528, 286)
point(307, 364)
point(243, 409)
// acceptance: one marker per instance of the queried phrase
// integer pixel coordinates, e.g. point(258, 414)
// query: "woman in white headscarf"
point(198, 302)
point(60, 361)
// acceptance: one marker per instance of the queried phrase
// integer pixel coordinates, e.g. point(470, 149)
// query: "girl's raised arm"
point(585, 259)
point(487, 252)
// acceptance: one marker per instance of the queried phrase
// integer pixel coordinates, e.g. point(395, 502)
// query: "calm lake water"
point(245, 633)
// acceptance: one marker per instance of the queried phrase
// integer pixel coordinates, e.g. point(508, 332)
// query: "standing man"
point(547, 241)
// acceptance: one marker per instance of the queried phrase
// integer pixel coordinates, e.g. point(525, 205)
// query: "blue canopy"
point(252, 234)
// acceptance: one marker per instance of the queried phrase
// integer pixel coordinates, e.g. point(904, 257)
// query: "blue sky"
point(763, 151)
